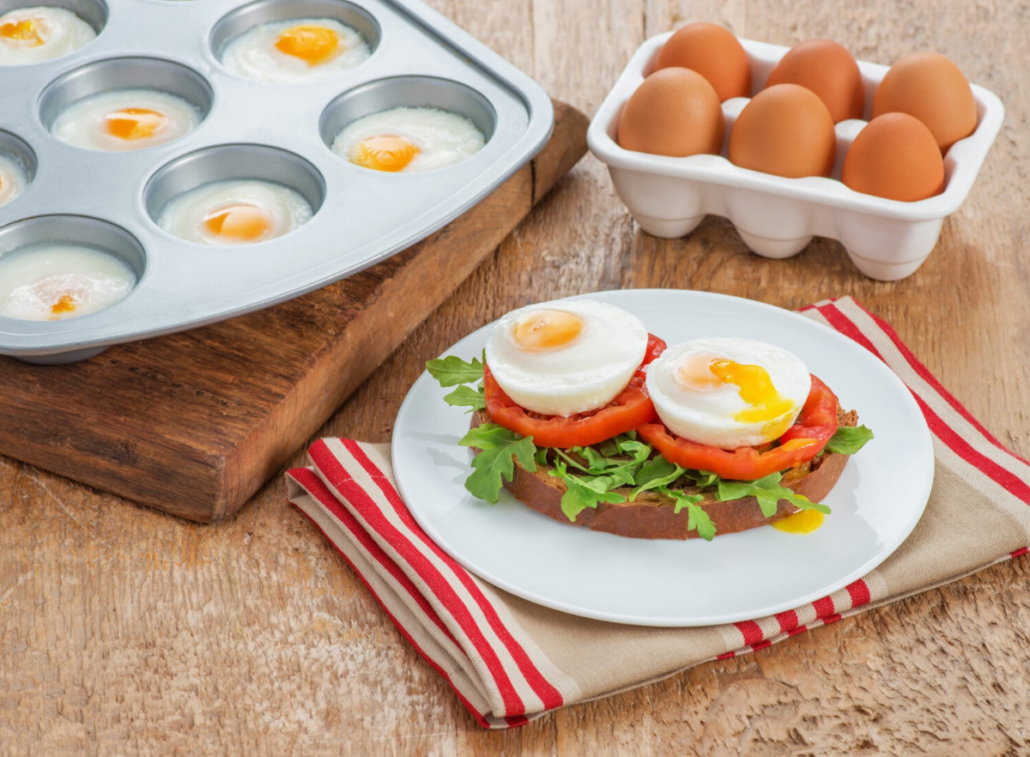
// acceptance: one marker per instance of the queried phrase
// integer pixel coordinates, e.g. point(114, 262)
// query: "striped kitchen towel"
point(510, 661)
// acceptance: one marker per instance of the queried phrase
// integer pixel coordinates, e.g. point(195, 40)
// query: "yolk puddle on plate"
point(312, 44)
point(26, 30)
point(241, 222)
point(804, 522)
point(546, 329)
point(385, 153)
point(135, 123)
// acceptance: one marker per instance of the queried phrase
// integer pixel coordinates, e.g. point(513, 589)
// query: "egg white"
point(67, 31)
point(84, 123)
point(584, 375)
point(707, 416)
point(184, 215)
point(13, 179)
point(254, 55)
point(33, 279)
point(443, 138)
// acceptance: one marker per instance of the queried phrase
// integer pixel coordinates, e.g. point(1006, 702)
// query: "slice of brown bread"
point(653, 516)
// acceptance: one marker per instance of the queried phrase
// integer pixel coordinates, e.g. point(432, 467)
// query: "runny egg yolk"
point(238, 223)
point(65, 304)
point(546, 329)
point(804, 522)
point(135, 123)
point(312, 44)
point(764, 403)
point(385, 153)
point(29, 31)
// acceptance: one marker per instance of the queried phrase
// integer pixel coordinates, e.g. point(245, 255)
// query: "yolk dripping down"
point(135, 123)
point(385, 153)
point(546, 329)
point(804, 522)
point(764, 403)
point(312, 44)
point(238, 223)
point(29, 31)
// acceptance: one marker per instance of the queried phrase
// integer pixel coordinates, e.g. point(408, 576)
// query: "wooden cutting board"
point(195, 423)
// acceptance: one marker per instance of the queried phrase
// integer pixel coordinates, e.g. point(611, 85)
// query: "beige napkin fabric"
point(509, 660)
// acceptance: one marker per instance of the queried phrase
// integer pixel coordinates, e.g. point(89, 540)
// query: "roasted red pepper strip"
point(816, 423)
point(626, 412)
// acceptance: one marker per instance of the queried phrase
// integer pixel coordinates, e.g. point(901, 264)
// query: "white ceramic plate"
point(876, 503)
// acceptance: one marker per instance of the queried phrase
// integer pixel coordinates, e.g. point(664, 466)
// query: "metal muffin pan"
point(777, 217)
point(250, 130)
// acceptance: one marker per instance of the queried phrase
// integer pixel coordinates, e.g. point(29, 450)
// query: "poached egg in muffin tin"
point(566, 357)
point(13, 179)
point(296, 50)
point(42, 33)
point(53, 282)
point(235, 213)
point(728, 392)
point(409, 139)
point(130, 119)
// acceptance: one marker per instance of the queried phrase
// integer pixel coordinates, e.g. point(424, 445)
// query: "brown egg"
point(787, 131)
point(895, 156)
point(714, 53)
point(829, 70)
point(931, 88)
point(674, 112)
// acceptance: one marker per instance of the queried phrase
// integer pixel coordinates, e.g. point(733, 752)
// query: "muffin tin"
point(250, 130)
point(777, 217)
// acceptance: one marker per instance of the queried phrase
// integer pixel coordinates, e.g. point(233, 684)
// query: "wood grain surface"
point(126, 631)
point(194, 423)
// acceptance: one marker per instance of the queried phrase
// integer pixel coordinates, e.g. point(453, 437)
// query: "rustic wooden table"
point(123, 630)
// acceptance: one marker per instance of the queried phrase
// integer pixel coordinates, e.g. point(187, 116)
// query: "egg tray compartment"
point(775, 216)
point(250, 130)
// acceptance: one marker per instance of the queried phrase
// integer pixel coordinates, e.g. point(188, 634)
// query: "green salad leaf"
point(467, 396)
point(654, 474)
point(452, 370)
point(849, 439)
point(768, 492)
point(496, 462)
point(697, 518)
point(584, 491)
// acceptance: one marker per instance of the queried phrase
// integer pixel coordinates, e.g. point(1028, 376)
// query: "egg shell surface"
point(675, 112)
point(713, 52)
point(895, 156)
point(829, 70)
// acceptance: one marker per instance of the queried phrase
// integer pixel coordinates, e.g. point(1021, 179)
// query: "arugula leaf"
point(540, 458)
point(697, 518)
point(702, 479)
point(655, 473)
point(495, 464)
point(452, 370)
point(584, 491)
point(849, 439)
point(768, 492)
point(466, 396)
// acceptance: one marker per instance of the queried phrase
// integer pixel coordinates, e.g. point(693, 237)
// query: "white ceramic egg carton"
point(777, 217)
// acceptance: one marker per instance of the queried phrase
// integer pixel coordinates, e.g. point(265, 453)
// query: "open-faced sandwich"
point(585, 417)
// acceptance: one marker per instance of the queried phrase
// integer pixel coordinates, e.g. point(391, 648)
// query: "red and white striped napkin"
point(510, 661)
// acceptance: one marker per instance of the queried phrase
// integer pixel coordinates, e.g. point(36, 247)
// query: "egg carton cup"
point(775, 216)
point(249, 130)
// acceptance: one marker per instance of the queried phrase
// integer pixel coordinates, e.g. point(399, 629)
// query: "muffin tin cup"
point(255, 130)
point(777, 217)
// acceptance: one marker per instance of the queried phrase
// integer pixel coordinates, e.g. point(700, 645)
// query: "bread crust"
point(653, 516)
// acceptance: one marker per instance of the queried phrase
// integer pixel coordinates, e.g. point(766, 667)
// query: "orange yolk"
point(65, 304)
point(385, 153)
point(546, 329)
point(235, 224)
point(764, 403)
point(135, 123)
point(312, 44)
point(804, 522)
point(26, 30)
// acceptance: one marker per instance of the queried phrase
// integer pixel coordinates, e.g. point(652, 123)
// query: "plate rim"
point(928, 466)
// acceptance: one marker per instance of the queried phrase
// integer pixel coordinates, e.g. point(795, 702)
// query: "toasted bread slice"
point(653, 516)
